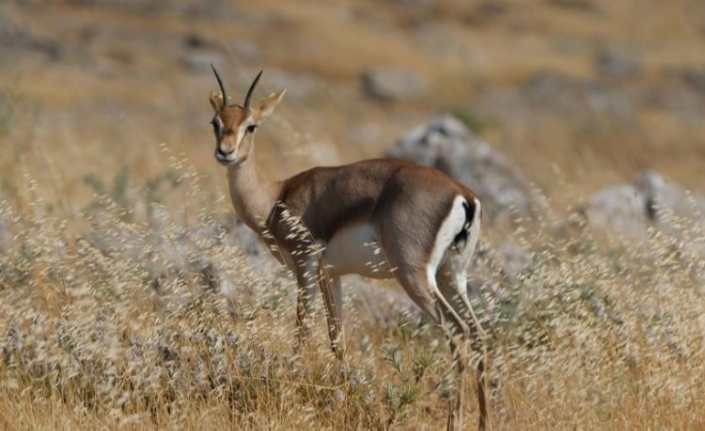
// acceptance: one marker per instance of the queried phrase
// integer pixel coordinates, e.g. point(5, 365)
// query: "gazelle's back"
point(367, 187)
point(412, 199)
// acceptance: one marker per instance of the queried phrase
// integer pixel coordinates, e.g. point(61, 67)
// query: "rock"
point(446, 144)
point(513, 261)
point(649, 201)
point(197, 41)
point(394, 83)
point(616, 64)
point(620, 209)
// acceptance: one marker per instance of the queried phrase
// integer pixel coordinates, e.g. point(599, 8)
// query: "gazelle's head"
point(234, 126)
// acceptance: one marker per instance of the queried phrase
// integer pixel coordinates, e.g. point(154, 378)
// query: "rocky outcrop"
point(650, 201)
point(446, 144)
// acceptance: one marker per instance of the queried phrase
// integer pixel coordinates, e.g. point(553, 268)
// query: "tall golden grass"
point(112, 318)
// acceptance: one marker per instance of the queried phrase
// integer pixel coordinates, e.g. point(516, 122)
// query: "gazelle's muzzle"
point(225, 157)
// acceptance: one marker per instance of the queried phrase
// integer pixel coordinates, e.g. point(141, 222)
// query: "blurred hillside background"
point(95, 91)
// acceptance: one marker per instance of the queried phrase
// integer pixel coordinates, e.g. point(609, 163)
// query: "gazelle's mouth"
point(225, 158)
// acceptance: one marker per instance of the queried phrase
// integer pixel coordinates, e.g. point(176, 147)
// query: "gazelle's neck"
point(253, 196)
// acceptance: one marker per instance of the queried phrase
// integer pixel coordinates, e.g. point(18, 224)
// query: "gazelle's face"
point(234, 126)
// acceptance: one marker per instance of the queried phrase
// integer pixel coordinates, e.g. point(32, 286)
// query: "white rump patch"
point(450, 227)
point(465, 256)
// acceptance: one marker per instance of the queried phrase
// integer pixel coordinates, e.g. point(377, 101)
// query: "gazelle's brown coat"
point(380, 218)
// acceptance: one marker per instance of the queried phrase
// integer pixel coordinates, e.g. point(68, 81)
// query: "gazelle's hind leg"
point(422, 289)
point(452, 283)
point(419, 281)
point(416, 254)
point(451, 278)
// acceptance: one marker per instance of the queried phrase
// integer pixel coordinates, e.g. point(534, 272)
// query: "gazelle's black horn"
point(252, 88)
point(222, 88)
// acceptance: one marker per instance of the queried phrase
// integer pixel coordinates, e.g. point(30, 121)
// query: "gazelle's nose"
point(223, 154)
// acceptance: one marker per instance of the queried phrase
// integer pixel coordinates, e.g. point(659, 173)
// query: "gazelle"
point(379, 218)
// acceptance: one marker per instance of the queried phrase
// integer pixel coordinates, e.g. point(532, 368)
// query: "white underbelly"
point(355, 250)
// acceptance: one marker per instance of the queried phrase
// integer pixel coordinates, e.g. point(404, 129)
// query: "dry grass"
point(111, 317)
point(594, 337)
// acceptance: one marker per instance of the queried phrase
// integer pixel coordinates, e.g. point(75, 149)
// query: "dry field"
point(127, 300)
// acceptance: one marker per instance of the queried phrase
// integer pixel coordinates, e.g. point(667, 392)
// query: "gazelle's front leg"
point(332, 296)
point(306, 278)
point(310, 275)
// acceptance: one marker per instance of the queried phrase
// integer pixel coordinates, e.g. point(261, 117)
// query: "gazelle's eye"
point(215, 125)
point(251, 128)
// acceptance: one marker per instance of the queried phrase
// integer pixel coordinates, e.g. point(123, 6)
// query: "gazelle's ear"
point(267, 105)
point(216, 101)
